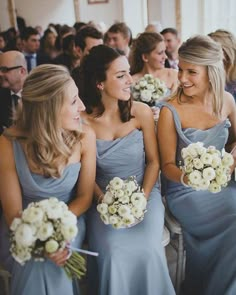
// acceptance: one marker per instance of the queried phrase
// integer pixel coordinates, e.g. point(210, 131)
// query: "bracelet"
point(182, 180)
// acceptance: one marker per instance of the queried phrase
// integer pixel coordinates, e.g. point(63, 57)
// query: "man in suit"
point(13, 72)
point(31, 43)
point(85, 40)
point(173, 43)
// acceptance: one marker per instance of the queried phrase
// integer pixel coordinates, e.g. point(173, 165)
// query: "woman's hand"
point(59, 257)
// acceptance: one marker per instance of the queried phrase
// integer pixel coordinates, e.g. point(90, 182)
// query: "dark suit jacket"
point(5, 108)
point(43, 59)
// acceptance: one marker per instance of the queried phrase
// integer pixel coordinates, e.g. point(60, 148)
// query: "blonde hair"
point(228, 43)
point(47, 145)
point(202, 50)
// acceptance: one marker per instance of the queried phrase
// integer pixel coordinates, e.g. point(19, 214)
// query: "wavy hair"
point(144, 44)
point(47, 145)
point(228, 43)
point(92, 72)
point(203, 51)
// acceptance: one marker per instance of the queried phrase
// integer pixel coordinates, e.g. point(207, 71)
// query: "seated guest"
point(228, 43)
point(148, 57)
point(31, 43)
point(172, 41)
point(85, 39)
point(119, 36)
point(69, 56)
point(13, 72)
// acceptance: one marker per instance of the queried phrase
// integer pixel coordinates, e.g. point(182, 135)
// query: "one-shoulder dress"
point(40, 278)
point(131, 261)
point(208, 220)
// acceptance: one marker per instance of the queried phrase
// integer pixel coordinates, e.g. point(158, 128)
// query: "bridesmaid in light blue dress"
point(63, 169)
point(208, 219)
point(132, 260)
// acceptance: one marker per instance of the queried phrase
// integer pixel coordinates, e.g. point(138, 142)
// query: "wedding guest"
point(119, 36)
point(50, 153)
point(228, 43)
point(13, 72)
point(48, 43)
point(208, 219)
point(131, 261)
point(148, 57)
point(172, 41)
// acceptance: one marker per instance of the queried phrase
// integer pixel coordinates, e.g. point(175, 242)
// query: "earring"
point(100, 87)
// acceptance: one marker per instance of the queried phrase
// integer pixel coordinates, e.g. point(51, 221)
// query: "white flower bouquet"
point(149, 89)
point(45, 227)
point(124, 203)
point(206, 168)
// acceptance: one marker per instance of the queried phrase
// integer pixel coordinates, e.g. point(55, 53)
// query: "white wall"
point(43, 12)
point(162, 11)
point(4, 16)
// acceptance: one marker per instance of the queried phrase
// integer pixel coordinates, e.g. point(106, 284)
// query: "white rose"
point(208, 173)
point(146, 95)
point(222, 179)
point(142, 83)
point(195, 177)
point(197, 163)
point(128, 219)
point(24, 235)
point(69, 231)
point(119, 194)
point(116, 183)
point(124, 210)
point(216, 161)
point(124, 200)
point(45, 231)
point(112, 209)
point(113, 219)
point(108, 198)
point(102, 208)
point(33, 215)
point(137, 212)
point(227, 160)
point(204, 184)
point(206, 158)
point(68, 218)
point(214, 187)
point(51, 246)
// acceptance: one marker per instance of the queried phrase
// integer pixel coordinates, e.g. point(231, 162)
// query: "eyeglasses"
point(6, 69)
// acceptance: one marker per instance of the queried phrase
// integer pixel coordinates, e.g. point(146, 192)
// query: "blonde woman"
point(49, 152)
point(228, 43)
point(208, 220)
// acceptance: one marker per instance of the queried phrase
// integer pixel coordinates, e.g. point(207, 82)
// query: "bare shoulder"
point(229, 103)
point(6, 151)
point(140, 110)
point(88, 131)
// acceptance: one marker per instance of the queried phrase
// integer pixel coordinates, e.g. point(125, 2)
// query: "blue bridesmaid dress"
point(131, 261)
point(208, 220)
point(40, 278)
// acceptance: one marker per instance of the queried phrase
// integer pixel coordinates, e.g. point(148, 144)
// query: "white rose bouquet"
point(123, 204)
point(206, 168)
point(149, 89)
point(46, 227)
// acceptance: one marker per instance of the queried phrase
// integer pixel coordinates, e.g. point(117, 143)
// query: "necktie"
point(28, 60)
point(15, 99)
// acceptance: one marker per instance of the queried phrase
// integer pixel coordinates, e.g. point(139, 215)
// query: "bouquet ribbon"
point(82, 250)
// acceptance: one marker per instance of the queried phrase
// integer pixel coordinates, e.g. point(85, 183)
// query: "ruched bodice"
point(40, 278)
point(208, 220)
point(110, 155)
point(131, 261)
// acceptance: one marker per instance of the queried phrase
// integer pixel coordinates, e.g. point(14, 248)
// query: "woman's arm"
point(167, 140)
point(86, 181)
point(144, 116)
point(231, 111)
point(10, 191)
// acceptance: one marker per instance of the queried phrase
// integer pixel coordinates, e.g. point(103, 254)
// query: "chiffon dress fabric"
point(132, 260)
point(208, 219)
point(40, 278)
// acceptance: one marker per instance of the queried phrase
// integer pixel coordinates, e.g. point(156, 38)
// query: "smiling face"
point(118, 82)
point(72, 106)
point(156, 58)
point(193, 79)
